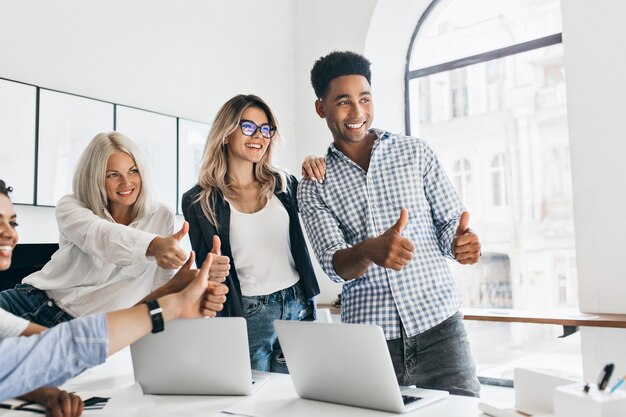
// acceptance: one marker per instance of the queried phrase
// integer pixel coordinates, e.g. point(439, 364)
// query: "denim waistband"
point(294, 292)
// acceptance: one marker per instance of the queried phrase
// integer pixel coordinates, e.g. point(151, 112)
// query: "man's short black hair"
point(336, 64)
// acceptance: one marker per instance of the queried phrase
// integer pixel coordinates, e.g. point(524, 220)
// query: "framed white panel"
point(18, 113)
point(191, 139)
point(156, 136)
point(67, 123)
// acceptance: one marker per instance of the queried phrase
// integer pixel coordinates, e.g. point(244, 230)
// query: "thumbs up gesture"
point(167, 251)
point(391, 250)
point(221, 264)
point(465, 243)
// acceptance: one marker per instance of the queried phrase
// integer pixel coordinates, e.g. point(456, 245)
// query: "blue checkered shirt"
point(352, 205)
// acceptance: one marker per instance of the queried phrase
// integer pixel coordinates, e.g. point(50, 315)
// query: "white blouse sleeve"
point(111, 242)
point(10, 325)
point(164, 275)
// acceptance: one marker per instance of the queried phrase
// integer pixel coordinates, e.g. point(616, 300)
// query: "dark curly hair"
point(336, 64)
point(4, 189)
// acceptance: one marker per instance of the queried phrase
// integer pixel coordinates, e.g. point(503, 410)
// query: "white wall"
point(183, 58)
point(322, 26)
point(387, 43)
point(593, 33)
point(593, 37)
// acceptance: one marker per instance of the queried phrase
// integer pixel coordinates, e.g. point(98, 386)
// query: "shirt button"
point(50, 303)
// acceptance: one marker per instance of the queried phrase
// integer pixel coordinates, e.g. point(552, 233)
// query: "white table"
point(276, 398)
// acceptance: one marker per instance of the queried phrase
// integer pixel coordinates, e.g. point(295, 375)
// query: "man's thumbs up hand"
point(465, 243)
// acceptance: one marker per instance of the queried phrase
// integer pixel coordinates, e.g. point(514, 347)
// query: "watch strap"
point(155, 315)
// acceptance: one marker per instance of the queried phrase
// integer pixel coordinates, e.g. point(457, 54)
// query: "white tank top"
point(261, 249)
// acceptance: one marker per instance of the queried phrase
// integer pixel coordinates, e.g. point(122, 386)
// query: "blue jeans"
point(33, 305)
point(260, 312)
point(438, 358)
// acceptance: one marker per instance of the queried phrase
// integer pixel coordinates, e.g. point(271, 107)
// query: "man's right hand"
point(221, 264)
point(167, 250)
point(391, 250)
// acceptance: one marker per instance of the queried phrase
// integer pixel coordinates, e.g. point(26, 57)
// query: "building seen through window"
point(486, 89)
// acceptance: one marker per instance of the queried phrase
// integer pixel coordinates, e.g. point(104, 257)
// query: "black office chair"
point(27, 258)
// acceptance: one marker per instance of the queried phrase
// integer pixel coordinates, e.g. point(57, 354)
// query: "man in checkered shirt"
point(383, 223)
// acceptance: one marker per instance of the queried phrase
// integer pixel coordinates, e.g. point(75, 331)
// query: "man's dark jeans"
point(439, 358)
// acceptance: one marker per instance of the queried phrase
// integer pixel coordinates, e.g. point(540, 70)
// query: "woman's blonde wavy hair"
point(214, 168)
point(90, 174)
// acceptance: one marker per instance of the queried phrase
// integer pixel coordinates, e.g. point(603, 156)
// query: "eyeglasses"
point(249, 128)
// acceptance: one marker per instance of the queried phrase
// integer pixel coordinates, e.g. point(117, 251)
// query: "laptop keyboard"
point(408, 399)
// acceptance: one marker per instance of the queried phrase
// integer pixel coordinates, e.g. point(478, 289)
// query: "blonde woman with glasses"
point(244, 209)
point(116, 243)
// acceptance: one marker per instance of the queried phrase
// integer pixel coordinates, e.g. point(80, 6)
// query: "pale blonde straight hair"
point(90, 174)
point(214, 169)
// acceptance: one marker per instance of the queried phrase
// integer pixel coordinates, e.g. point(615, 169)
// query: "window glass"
point(499, 126)
point(458, 29)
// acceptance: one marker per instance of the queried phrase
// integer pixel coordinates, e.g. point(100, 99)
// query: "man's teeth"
point(254, 145)
point(355, 126)
point(6, 248)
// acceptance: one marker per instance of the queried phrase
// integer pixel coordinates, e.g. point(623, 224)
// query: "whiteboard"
point(156, 135)
point(191, 139)
point(67, 123)
point(18, 103)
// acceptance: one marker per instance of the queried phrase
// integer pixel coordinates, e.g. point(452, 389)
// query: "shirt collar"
point(381, 135)
point(108, 215)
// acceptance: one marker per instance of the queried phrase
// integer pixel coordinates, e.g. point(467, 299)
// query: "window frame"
point(410, 75)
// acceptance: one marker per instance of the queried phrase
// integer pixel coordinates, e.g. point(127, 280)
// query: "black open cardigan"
point(201, 233)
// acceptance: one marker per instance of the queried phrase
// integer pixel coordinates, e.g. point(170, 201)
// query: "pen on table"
point(233, 413)
point(618, 384)
point(32, 410)
point(605, 375)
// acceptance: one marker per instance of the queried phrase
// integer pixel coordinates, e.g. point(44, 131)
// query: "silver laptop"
point(196, 357)
point(347, 364)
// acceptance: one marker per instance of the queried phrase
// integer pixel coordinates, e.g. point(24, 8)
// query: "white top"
point(261, 249)
point(102, 266)
point(11, 325)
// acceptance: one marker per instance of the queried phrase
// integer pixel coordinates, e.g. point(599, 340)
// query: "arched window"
point(462, 178)
point(485, 81)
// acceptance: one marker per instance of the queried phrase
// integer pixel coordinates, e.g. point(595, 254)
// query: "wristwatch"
point(155, 315)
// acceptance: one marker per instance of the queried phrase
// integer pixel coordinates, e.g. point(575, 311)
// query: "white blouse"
point(11, 325)
point(261, 251)
point(102, 266)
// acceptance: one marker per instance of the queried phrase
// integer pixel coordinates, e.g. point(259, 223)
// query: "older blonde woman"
point(43, 358)
point(116, 243)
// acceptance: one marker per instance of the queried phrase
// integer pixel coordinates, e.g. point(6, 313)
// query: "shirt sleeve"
point(52, 357)
point(446, 206)
point(11, 325)
point(321, 226)
point(111, 242)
